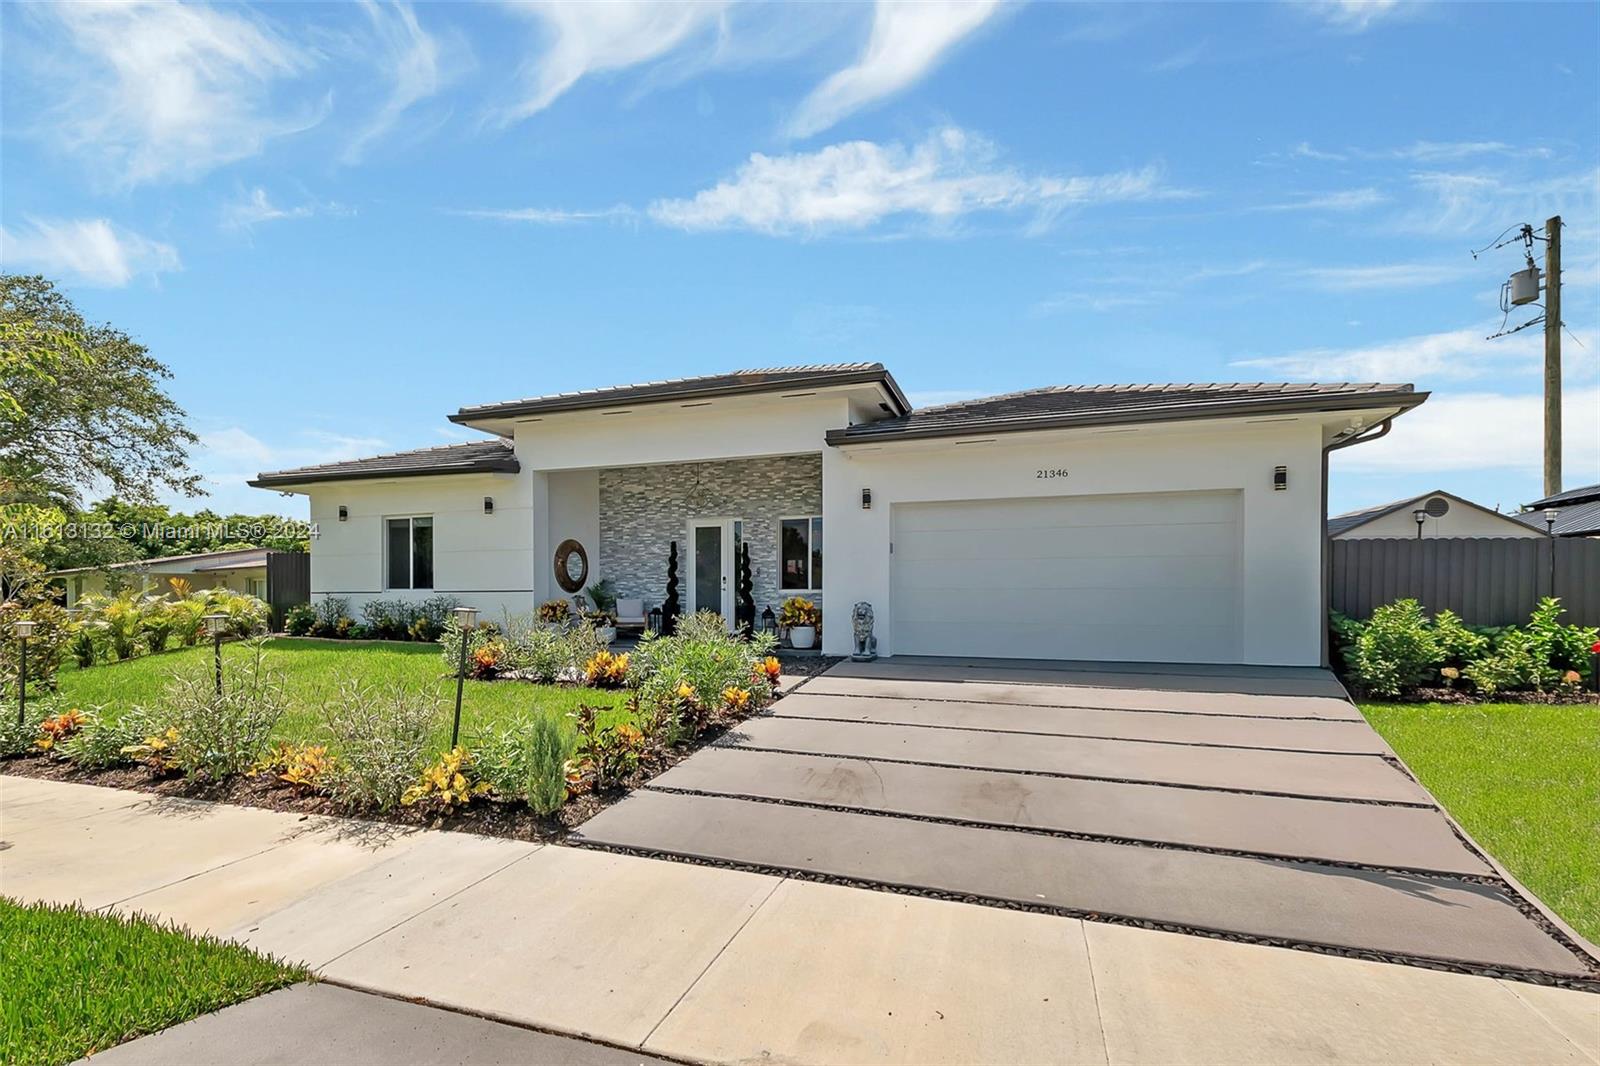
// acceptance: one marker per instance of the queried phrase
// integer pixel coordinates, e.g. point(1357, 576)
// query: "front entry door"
point(711, 567)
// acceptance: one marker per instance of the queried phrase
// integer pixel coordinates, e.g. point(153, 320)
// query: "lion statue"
point(861, 623)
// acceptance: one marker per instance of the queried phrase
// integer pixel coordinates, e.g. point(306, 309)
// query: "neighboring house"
point(1135, 522)
point(242, 570)
point(1444, 515)
point(1577, 513)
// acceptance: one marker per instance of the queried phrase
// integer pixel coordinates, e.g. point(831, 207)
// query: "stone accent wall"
point(644, 508)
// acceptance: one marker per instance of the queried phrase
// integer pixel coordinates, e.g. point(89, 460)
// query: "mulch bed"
point(487, 817)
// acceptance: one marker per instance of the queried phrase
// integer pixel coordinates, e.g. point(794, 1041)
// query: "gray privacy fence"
point(288, 583)
point(1487, 581)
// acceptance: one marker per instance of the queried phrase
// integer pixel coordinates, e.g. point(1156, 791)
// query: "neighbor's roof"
point(1343, 523)
point(739, 382)
point(232, 559)
point(1578, 520)
point(1581, 494)
point(1066, 406)
point(478, 457)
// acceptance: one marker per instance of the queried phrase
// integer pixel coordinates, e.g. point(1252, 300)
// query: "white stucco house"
point(1443, 514)
point(1177, 523)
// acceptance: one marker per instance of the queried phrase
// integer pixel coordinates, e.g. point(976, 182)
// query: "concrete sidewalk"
point(709, 964)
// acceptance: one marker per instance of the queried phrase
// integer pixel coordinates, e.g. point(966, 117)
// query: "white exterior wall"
point(1281, 530)
point(485, 561)
point(573, 511)
point(1460, 521)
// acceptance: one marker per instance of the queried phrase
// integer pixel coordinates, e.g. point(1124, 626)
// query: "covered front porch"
point(618, 524)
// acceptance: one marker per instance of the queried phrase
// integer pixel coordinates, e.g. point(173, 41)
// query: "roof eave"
point(290, 479)
point(864, 434)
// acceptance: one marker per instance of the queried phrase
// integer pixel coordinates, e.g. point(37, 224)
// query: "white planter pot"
point(803, 637)
point(606, 634)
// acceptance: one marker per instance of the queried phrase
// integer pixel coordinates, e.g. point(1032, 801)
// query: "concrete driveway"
point(1250, 802)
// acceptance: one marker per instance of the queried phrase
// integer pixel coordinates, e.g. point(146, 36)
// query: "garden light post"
point(1421, 516)
point(466, 619)
point(24, 628)
point(215, 624)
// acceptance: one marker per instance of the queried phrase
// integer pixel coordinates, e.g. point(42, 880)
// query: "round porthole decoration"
point(572, 565)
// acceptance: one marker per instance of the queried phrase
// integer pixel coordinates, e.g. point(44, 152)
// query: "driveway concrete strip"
point(329, 1024)
point(1364, 777)
point(1403, 914)
point(1167, 998)
point(1289, 734)
point(583, 942)
point(130, 850)
point(1375, 835)
point(1112, 698)
point(1574, 1014)
point(341, 916)
point(1179, 677)
point(27, 805)
point(900, 980)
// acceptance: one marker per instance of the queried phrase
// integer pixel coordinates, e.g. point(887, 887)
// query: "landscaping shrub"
point(188, 619)
point(610, 745)
point(247, 615)
point(379, 734)
point(299, 619)
point(219, 735)
point(158, 623)
point(307, 766)
point(528, 760)
point(449, 783)
point(388, 619)
point(683, 677)
point(1397, 650)
point(330, 612)
point(1458, 643)
point(606, 669)
point(430, 616)
point(53, 632)
point(536, 651)
point(103, 740)
point(118, 621)
point(555, 611)
point(450, 643)
point(18, 738)
point(57, 728)
point(1560, 647)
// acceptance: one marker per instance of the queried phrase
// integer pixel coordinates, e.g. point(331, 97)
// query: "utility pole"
point(1552, 356)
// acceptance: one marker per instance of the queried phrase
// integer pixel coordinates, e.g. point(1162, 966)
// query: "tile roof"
point(1581, 494)
point(1068, 405)
point(477, 457)
point(771, 379)
point(1576, 520)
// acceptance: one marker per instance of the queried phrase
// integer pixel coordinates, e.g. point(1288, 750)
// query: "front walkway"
point(709, 964)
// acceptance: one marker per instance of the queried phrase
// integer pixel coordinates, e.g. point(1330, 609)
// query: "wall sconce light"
point(1280, 478)
point(488, 505)
point(344, 512)
point(866, 499)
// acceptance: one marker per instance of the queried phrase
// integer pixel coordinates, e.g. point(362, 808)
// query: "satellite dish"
point(1438, 507)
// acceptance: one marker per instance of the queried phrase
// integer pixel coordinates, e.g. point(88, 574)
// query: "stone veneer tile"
point(644, 508)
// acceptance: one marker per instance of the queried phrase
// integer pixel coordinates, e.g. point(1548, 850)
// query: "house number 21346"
point(1048, 474)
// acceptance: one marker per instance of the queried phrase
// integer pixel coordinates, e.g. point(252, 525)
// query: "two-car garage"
point(1152, 577)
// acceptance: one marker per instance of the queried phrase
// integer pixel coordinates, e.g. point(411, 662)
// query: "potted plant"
point(802, 619)
point(604, 623)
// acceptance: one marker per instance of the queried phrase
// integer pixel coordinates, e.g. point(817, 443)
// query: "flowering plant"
point(58, 727)
point(770, 669)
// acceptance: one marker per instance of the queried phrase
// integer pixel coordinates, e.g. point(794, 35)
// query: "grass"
point(77, 982)
point(1523, 779)
point(312, 671)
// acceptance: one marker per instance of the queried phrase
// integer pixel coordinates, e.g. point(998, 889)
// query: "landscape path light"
point(1421, 516)
point(24, 629)
point(215, 624)
point(466, 621)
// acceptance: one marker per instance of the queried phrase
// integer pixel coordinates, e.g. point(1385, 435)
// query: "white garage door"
point(1149, 577)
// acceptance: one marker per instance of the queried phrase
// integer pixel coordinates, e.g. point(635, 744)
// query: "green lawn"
point(76, 982)
point(1523, 779)
point(312, 671)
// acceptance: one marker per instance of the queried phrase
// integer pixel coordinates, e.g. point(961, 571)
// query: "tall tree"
point(81, 405)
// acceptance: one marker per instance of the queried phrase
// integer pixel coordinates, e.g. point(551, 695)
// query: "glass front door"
point(712, 575)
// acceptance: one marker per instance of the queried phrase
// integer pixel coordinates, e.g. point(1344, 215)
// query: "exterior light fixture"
point(488, 505)
point(1421, 516)
point(1550, 516)
point(24, 630)
point(344, 513)
point(466, 621)
point(215, 624)
point(1280, 478)
point(769, 621)
point(866, 499)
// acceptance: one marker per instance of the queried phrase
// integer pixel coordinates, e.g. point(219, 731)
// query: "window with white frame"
point(800, 554)
point(408, 552)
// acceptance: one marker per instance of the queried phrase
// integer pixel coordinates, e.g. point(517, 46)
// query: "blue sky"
point(338, 223)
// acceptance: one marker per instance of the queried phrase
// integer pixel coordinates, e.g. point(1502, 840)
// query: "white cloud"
point(413, 60)
point(937, 397)
point(586, 38)
point(854, 185)
point(1476, 206)
point(87, 249)
point(228, 456)
point(256, 207)
point(1353, 16)
point(1461, 353)
point(1344, 200)
point(1180, 60)
point(1483, 430)
point(164, 90)
point(549, 216)
point(908, 39)
point(1385, 276)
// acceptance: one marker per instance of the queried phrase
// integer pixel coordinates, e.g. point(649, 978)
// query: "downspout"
point(1374, 433)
